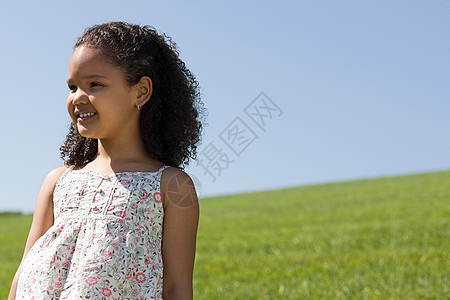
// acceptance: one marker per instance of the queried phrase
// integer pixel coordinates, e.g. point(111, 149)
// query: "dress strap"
point(162, 169)
point(66, 171)
point(63, 175)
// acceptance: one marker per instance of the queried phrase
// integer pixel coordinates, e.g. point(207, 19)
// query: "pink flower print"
point(47, 238)
point(134, 292)
point(50, 260)
point(157, 197)
point(145, 195)
point(116, 246)
point(123, 214)
point(107, 253)
point(128, 274)
point(135, 175)
point(140, 230)
point(140, 277)
point(134, 206)
point(106, 292)
point(58, 284)
point(91, 280)
point(111, 207)
point(125, 182)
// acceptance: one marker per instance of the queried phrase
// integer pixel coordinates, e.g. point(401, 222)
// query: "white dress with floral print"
point(105, 242)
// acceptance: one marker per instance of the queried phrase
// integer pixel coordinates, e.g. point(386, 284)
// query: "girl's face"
point(100, 103)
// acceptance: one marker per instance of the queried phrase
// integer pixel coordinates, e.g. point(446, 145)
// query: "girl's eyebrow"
point(90, 76)
point(95, 76)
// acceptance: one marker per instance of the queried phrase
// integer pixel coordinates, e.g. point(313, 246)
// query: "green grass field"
point(385, 238)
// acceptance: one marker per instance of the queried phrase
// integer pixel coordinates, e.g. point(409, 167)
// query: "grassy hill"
point(369, 239)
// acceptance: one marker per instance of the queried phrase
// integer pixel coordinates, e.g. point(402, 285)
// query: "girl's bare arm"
point(42, 218)
point(181, 214)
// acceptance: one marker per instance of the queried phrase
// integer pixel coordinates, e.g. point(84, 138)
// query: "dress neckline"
point(119, 173)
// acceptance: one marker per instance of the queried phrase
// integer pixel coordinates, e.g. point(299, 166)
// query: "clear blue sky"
point(363, 86)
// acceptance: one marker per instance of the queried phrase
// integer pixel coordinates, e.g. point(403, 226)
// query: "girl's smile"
point(84, 116)
point(81, 117)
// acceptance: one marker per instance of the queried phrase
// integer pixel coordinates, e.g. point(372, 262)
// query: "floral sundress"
point(105, 242)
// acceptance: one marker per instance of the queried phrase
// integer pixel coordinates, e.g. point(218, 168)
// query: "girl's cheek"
point(70, 107)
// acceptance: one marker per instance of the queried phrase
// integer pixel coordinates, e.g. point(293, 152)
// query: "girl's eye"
point(95, 84)
point(72, 88)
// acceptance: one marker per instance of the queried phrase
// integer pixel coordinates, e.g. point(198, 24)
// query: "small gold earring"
point(139, 107)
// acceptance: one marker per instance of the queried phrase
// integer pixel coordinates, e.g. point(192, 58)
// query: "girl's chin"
point(86, 133)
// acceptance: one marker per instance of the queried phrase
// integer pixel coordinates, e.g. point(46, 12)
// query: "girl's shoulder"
point(54, 175)
point(57, 172)
point(178, 188)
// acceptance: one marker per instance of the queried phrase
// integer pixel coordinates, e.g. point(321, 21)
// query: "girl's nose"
point(80, 97)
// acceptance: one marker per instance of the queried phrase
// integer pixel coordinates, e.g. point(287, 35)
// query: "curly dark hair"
point(171, 123)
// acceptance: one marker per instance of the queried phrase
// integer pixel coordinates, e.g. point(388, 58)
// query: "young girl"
point(119, 220)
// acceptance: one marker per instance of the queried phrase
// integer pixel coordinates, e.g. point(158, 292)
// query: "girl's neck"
point(120, 151)
point(121, 157)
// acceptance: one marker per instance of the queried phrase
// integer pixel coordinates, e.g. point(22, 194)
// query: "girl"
point(97, 229)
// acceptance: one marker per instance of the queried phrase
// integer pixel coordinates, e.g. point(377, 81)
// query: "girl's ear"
point(144, 91)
